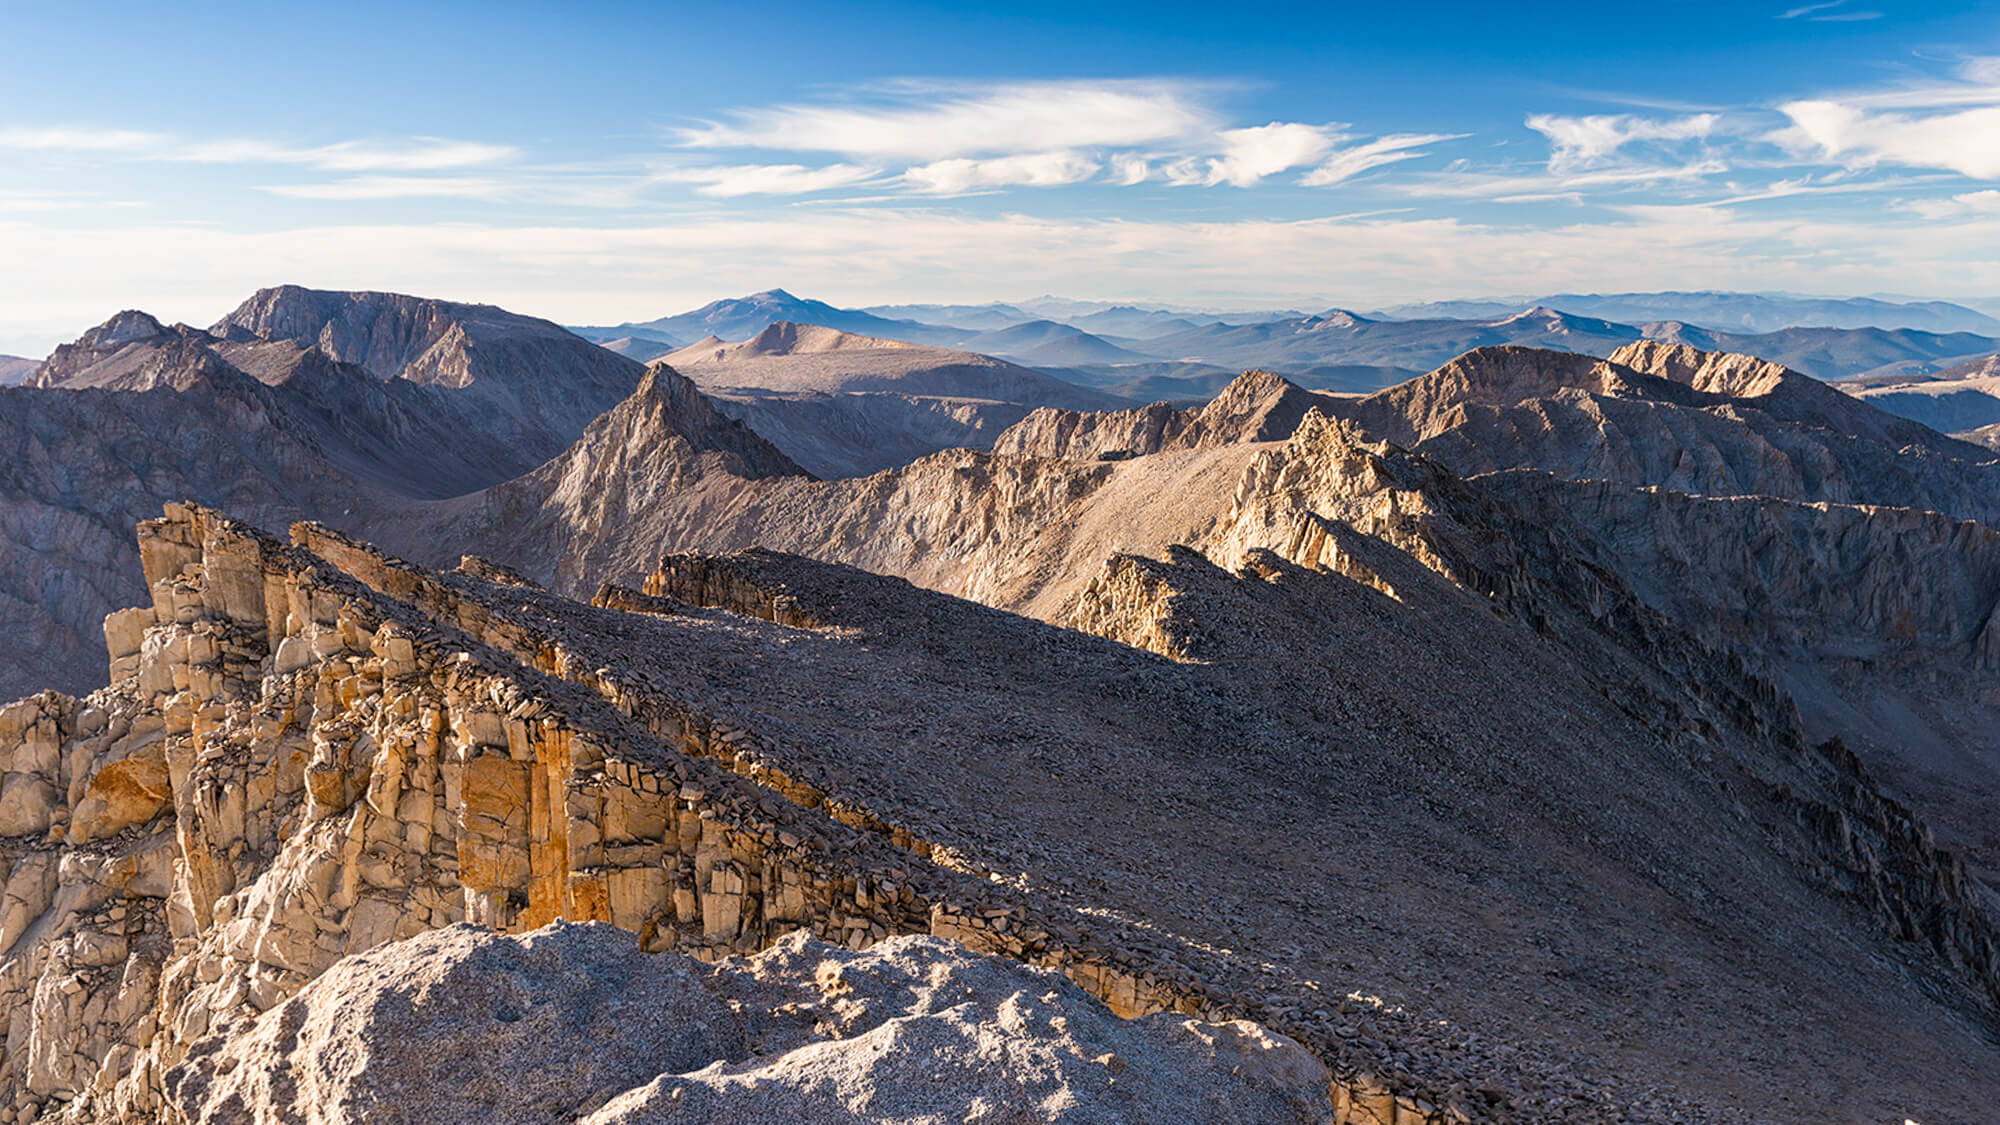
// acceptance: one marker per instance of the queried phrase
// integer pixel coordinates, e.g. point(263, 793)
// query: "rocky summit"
point(441, 699)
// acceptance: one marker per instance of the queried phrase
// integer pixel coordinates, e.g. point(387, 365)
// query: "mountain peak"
point(1342, 317)
point(125, 328)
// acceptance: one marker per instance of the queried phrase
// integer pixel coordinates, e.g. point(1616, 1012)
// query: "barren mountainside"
point(1548, 738)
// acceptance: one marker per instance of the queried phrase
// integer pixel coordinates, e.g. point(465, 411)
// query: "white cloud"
point(1587, 142)
point(1249, 155)
point(1965, 141)
point(42, 201)
point(1128, 170)
point(1970, 203)
point(729, 181)
point(416, 154)
point(1504, 187)
point(1034, 169)
point(1976, 83)
point(421, 154)
point(1356, 159)
point(929, 123)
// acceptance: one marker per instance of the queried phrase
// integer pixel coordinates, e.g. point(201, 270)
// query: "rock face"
point(912, 1029)
point(845, 405)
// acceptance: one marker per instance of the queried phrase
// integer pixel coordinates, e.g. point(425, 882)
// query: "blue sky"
point(601, 162)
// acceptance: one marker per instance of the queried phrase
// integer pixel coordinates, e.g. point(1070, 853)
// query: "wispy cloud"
point(1985, 202)
point(1530, 187)
point(79, 139)
point(959, 139)
point(730, 181)
point(928, 122)
point(419, 154)
point(1833, 11)
point(1588, 142)
point(1356, 159)
point(415, 154)
point(1130, 169)
point(23, 201)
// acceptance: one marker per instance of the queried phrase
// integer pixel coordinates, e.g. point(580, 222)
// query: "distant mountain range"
point(14, 369)
point(1736, 312)
point(1132, 350)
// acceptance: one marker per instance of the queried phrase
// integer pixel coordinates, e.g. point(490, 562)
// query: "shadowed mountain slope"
point(524, 382)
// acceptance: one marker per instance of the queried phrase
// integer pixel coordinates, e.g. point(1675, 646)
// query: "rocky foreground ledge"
point(572, 1022)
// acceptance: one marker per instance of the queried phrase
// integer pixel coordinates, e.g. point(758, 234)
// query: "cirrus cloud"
point(928, 122)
